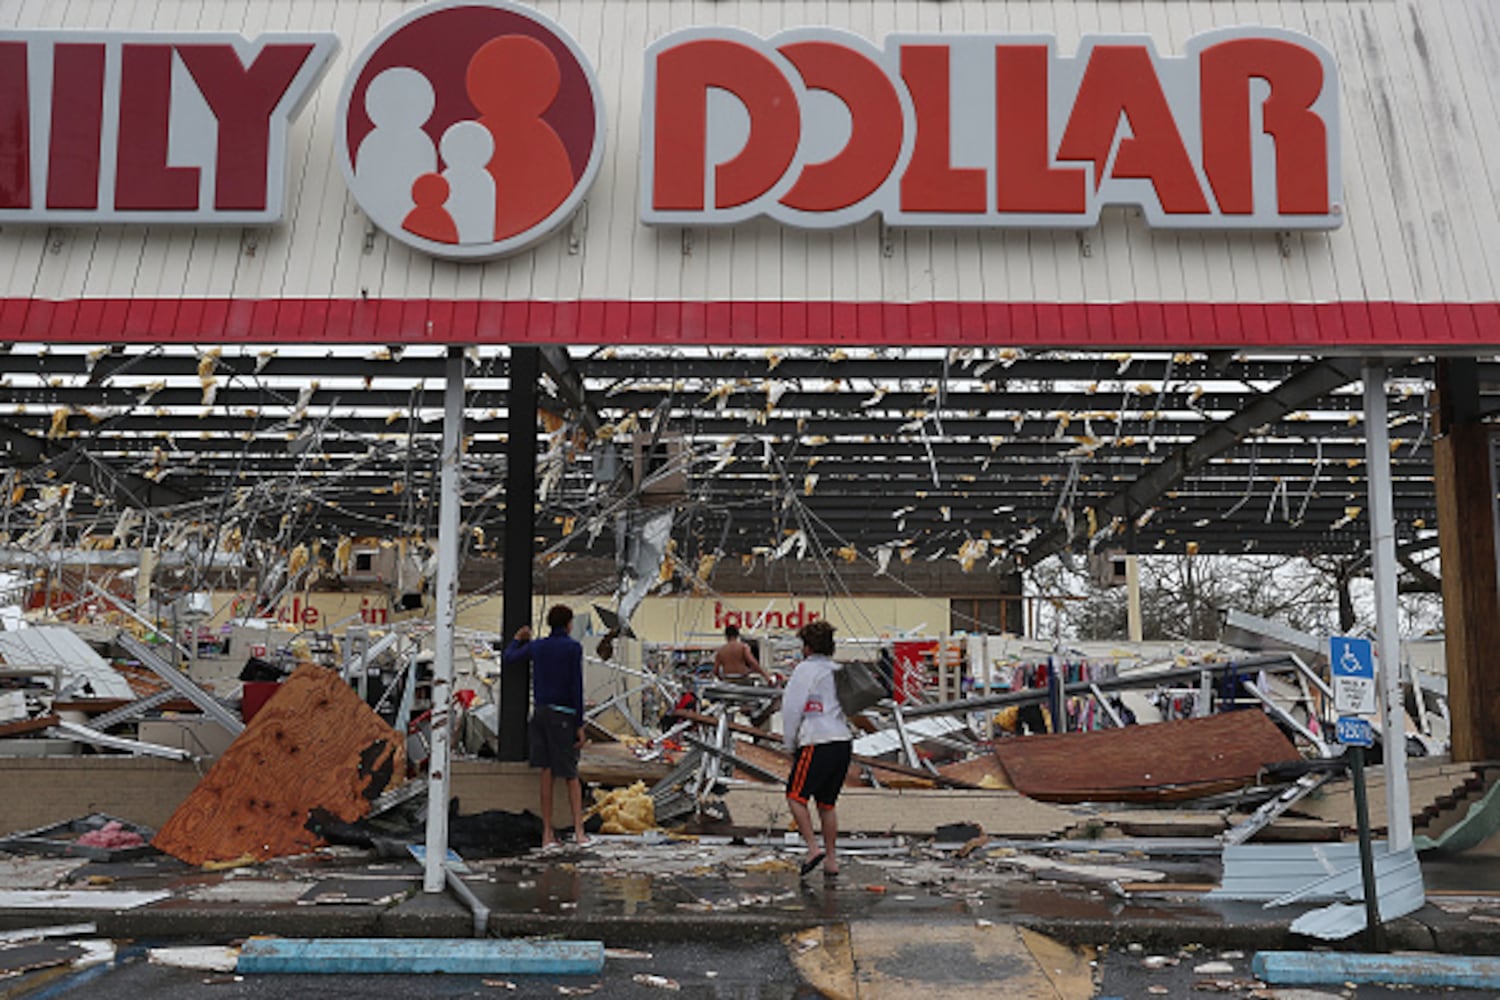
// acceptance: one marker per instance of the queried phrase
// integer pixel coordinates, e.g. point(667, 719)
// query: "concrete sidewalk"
point(624, 890)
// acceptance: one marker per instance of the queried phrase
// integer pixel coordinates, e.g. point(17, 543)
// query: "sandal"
point(811, 863)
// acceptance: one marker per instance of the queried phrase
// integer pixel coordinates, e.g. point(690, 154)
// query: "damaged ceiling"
point(988, 457)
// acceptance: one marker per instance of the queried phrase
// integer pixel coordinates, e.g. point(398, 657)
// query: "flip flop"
point(811, 863)
point(829, 876)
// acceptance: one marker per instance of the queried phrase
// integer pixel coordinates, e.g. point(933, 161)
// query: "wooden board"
point(614, 765)
point(23, 726)
point(1159, 762)
point(917, 812)
point(780, 764)
point(887, 772)
point(1429, 782)
point(315, 745)
point(975, 770)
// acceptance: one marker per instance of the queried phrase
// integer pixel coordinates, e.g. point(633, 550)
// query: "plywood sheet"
point(614, 765)
point(315, 745)
point(908, 811)
point(982, 771)
point(1160, 762)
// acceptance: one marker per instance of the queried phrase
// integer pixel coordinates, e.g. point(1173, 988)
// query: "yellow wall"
point(659, 619)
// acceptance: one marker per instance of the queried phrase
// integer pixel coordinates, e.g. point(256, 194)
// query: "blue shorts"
point(554, 740)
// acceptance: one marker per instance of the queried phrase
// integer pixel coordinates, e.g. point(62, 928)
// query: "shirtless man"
point(734, 662)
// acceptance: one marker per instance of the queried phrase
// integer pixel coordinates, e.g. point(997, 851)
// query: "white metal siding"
point(1421, 139)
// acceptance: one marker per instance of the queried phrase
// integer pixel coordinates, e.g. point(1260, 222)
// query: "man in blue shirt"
point(556, 731)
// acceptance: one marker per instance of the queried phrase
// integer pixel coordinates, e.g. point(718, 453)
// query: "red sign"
point(470, 129)
point(150, 127)
point(817, 127)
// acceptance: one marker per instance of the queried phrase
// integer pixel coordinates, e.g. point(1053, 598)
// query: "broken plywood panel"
point(982, 771)
point(908, 811)
point(615, 764)
point(1162, 823)
point(314, 746)
point(1430, 782)
point(1160, 762)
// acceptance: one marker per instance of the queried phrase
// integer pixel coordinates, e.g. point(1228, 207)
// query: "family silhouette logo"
point(470, 129)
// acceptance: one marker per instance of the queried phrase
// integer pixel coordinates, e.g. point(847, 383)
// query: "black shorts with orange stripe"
point(818, 773)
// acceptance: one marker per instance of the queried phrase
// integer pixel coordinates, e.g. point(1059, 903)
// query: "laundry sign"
point(818, 127)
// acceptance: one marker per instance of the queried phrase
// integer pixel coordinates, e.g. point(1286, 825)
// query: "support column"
point(450, 512)
point(520, 528)
point(1387, 624)
point(1133, 597)
point(1462, 467)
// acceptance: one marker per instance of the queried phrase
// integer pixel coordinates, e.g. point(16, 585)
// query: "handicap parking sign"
point(1352, 663)
point(1354, 732)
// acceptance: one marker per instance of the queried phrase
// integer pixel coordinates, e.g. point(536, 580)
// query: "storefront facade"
point(1166, 173)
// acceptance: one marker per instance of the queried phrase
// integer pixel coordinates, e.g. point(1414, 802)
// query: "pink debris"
point(111, 835)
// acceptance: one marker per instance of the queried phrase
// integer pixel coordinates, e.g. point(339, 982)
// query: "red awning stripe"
point(1321, 326)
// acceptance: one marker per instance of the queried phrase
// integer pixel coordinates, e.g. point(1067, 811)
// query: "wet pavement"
point(903, 915)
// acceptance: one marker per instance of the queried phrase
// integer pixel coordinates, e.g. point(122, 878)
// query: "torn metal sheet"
point(53, 647)
point(82, 899)
point(1161, 762)
point(640, 558)
point(1268, 871)
point(1399, 891)
point(36, 873)
point(1051, 869)
point(889, 740)
point(84, 734)
point(179, 681)
point(252, 891)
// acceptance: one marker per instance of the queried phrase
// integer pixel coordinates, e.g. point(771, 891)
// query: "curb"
point(635, 930)
point(1404, 934)
point(405, 921)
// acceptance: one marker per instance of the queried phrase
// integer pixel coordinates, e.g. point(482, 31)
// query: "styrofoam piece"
point(205, 958)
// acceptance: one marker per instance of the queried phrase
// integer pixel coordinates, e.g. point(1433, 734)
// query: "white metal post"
point(1387, 625)
point(1133, 597)
point(434, 878)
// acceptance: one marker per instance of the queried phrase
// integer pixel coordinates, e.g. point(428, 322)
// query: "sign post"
point(1352, 664)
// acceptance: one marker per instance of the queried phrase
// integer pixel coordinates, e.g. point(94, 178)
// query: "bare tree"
point(1185, 597)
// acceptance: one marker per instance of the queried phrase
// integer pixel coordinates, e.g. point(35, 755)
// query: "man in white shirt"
point(816, 732)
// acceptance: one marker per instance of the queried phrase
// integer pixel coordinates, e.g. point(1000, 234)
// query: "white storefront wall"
point(1421, 199)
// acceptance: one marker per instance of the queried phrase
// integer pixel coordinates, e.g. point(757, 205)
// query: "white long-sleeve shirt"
point(810, 711)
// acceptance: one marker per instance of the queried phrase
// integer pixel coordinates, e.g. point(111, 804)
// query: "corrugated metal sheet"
point(1398, 888)
point(1420, 96)
point(1160, 762)
point(51, 646)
